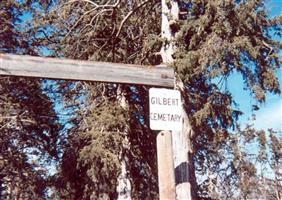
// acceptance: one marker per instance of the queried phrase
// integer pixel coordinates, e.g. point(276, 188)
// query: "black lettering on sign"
point(153, 100)
point(164, 101)
point(165, 117)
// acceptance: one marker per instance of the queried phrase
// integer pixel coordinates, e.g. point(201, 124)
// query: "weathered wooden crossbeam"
point(54, 68)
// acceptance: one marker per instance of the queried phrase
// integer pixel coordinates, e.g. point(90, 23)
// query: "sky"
point(270, 113)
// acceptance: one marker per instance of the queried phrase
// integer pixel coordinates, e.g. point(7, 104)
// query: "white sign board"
point(165, 109)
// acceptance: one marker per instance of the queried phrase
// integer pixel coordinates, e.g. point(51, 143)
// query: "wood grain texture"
point(166, 175)
point(54, 68)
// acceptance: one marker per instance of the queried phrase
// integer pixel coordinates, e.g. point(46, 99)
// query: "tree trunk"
point(183, 160)
point(124, 184)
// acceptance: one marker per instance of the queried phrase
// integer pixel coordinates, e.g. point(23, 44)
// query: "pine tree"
point(29, 127)
point(212, 40)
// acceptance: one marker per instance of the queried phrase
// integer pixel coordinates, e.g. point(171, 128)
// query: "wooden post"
point(181, 147)
point(165, 166)
point(181, 139)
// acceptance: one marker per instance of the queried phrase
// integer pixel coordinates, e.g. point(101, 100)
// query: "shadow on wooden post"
point(165, 166)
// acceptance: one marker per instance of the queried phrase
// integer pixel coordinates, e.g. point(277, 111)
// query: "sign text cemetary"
point(165, 109)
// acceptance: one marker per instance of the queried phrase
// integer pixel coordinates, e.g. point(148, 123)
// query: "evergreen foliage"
point(214, 39)
point(29, 127)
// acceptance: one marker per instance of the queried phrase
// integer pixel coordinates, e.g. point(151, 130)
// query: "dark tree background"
point(29, 127)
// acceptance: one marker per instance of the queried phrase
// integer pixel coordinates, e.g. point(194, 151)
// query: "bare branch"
point(77, 22)
point(97, 6)
point(103, 8)
point(17, 117)
point(128, 16)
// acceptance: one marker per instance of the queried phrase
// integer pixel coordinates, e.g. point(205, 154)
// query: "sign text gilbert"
point(165, 109)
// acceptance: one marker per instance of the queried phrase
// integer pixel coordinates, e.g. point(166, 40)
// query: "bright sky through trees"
point(270, 113)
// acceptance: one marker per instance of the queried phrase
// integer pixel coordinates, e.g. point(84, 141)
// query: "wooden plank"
point(54, 68)
point(165, 166)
